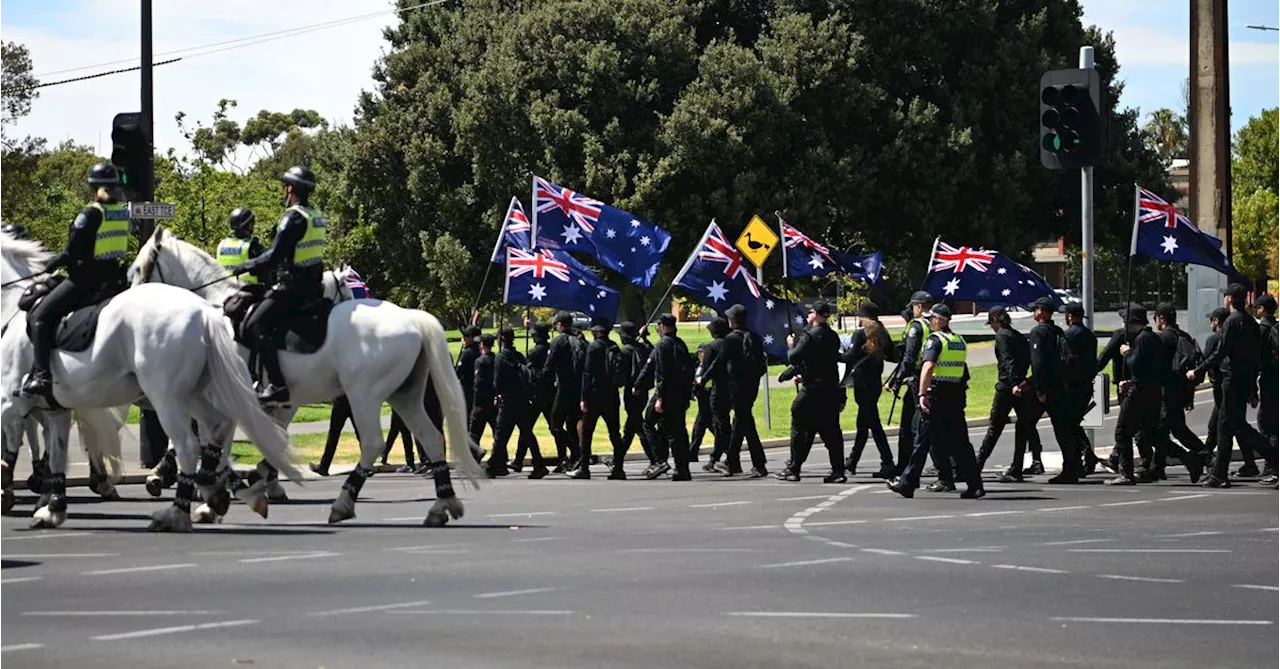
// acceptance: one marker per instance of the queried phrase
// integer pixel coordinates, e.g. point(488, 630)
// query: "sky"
point(327, 69)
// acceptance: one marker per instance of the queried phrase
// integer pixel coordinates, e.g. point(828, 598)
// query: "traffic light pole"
point(1086, 225)
point(147, 192)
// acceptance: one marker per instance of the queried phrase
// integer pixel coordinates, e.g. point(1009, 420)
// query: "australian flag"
point(570, 221)
point(1160, 231)
point(802, 257)
point(773, 318)
point(986, 277)
point(551, 278)
point(514, 232)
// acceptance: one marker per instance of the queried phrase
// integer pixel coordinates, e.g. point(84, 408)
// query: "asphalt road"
point(714, 573)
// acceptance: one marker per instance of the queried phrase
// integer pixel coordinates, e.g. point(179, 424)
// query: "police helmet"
point(241, 221)
point(301, 178)
point(104, 174)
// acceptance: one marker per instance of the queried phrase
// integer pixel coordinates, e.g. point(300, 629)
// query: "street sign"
point(151, 210)
point(757, 241)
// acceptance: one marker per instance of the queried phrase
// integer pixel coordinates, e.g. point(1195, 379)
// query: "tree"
point(1166, 134)
point(1256, 160)
point(17, 82)
point(215, 143)
point(1254, 227)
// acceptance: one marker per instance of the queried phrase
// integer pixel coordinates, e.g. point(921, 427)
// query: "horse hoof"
point(255, 498)
point(448, 507)
point(154, 485)
point(44, 500)
point(204, 515)
point(275, 492)
point(95, 484)
point(6, 475)
point(171, 519)
point(109, 493)
point(339, 515)
point(7, 501)
point(436, 519)
point(44, 518)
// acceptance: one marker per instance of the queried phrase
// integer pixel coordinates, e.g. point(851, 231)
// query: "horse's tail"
point(100, 436)
point(452, 404)
point(234, 392)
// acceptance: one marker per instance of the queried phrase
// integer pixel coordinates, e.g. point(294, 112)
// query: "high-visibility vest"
point(112, 241)
point(949, 367)
point(234, 252)
point(310, 249)
point(924, 336)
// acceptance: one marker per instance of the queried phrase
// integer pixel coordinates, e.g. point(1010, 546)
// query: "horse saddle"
point(76, 330)
point(304, 331)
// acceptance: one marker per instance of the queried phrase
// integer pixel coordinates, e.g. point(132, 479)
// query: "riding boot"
point(275, 390)
point(40, 381)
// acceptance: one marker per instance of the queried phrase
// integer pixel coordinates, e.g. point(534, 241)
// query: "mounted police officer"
point(296, 258)
point(94, 260)
point(241, 247)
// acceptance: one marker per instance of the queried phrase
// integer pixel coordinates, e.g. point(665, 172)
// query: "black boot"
point(38, 383)
point(275, 391)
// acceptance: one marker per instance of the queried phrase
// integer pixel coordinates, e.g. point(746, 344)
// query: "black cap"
point(601, 324)
point(541, 330)
point(868, 310)
point(487, 339)
point(628, 329)
point(1220, 314)
point(667, 320)
point(735, 313)
point(1133, 306)
point(507, 335)
point(921, 297)
point(1167, 310)
point(822, 308)
point(1074, 309)
point(1236, 291)
point(1043, 302)
point(471, 331)
point(939, 309)
point(718, 327)
point(1136, 315)
point(1267, 302)
point(563, 318)
point(996, 313)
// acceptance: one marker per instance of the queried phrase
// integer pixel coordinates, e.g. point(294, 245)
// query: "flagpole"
point(932, 254)
point(786, 276)
point(693, 255)
point(528, 324)
point(1133, 250)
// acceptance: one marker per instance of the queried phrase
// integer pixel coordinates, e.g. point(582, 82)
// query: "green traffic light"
point(1052, 142)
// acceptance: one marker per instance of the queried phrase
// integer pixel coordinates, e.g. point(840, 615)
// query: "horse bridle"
point(154, 264)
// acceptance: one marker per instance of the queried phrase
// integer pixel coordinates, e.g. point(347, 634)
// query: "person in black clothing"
point(1178, 396)
point(1111, 355)
point(401, 431)
point(634, 398)
point(864, 364)
point(599, 400)
point(565, 407)
point(484, 411)
point(1079, 382)
point(1268, 376)
point(1216, 318)
point(670, 369)
point(715, 370)
point(1013, 357)
point(1048, 387)
point(1146, 370)
point(744, 355)
point(908, 372)
point(514, 407)
point(94, 260)
point(816, 409)
point(702, 416)
point(1238, 358)
point(542, 388)
point(466, 366)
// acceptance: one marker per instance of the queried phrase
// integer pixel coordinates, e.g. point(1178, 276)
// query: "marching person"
point(1111, 355)
point(745, 357)
point(670, 369)
point(94, 259)
point(241, 247)
point(702, 414)
point(1180, 350)
point(634, 398)
point(1140, 392)
point(908, 372)
point(542, 389)
point(1048, 387)
point(600, 398)
point(816, 409)
point(1216, 318)
point(865, 364)
point(515, 408)
point(1269, 376)
point(465, 369)
point(484, 410)
point(715, 370)
point(1013, 358)
point(940, 424)
point(1079, 381)
point(565, 412)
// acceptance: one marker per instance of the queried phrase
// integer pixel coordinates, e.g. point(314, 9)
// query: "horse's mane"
point(24, 253)
point(200, 267)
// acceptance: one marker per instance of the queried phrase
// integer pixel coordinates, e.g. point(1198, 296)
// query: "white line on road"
point(752, 527)
point(802, 498)
point(1076, 541)
point(991, 513)
point(1186, 534)
point(1144, 579)
point(400, 519)
point(1148, 550)
point(975, 549)
point(1247, 586)
point(525, 514)
point(1182, 497)
point(171, 630)
point(513, 593)
point(815, 614)
point(1164, 621)
point(939, 558)
point(72, 614)
point(1063, 508)
point(54, 535)
point(804, 563)
point(533, 539)
point(693, 550)
point(21, 646)
point(367, 609)
point(718, 504)
point(483, 612)
point(824, 523)
point(21, 579)
point(284, 558)
point(1129, 503)
point(622, 509)
point(911, 518)
point(129, 570)
point(1038, 570)
point(56, 556)
point(882, 551)
point(425, 547)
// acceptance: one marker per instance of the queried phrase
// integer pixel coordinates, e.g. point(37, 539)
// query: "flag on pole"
point(514, 232)
point(1162, 232)
point(980, 275)
point(551, 278)
point(803, 257)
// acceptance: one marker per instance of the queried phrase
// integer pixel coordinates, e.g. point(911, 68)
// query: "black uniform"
point(702, 414)
point(715, 370)
point(1215, 381)
point(601, 398)
point(745, 358)
point(466, 372)
point(943, 428)
point(1178, 395)
point(1268, 378)
point(1120, 372)
point(816, 409)
point(907, 373)
point(1013, 358)
point(1079, 383)
point(565, 409)
point(483, 411)
point(634, 397)
point(863, 375)
point(1048, 384)
point(515, 409)
point(670, 368)
point(543, 392)
point(1140, 408)
point(1238, 358)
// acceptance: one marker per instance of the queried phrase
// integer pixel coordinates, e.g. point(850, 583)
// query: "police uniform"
point(942, 427)
point(670, 368)
point(565, 407)
point(242, 246)
point(515, 409)
point(816, 408)
point(745, 359)
point(600, 397)
point(908, 372)
point(296, 263)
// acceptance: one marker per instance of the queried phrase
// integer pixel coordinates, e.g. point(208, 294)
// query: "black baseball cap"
point(1043, 302)
point(541, 330)
point(471, 331)
point(1074, 309)
point(995, 313)
point(868, 310)
point(735, 313)
point(1236, 291)
point(667, 320)
point(1136, 314)
point(939, 309)
point(601, 324)
point(628, 329)
point(487, 339)
point(921, 297)
point(1220, 314)
point(1267, 302)
point(563, 318)
point(822, 308)
point(1167, 310)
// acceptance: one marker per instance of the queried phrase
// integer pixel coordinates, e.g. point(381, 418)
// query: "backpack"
point(685, 367)
point(1067, 362)
point(615, 362)
point(1187, 355)
point(753, 353)
point(578, 348)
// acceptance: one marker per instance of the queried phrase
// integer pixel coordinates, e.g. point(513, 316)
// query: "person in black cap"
point(1013, 357)
point(1269, 375)
point(940, 424)
point(634, 398)
point(1140, 392)
point(542, 388)
point(1239, 358)
point(864, 365)
point(816, 409)
point(1183, 354)
point(715, 370)
point(1111, 355)
point(1079, 380)
point(702, 412)
point(563, 366)
point(600, 397)
point(515, 410)
point(484, 412)
point(670, 369)
point(1048, 386)
point(908, 372)
point(466, 367)
point(1216, 318)
point(745, 357)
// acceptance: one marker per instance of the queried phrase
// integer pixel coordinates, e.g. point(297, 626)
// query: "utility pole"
point(148, 185)
point(1210, 196)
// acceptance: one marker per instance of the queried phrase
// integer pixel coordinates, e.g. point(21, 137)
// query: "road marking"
point(483, 612)
point(718, 504)
point(512, 593)
point(804, 563)
point(20, 579)
point(129, 570)
point(295, 556)
point(400, 519)
point(1062, 508)
point(882, 551)
point(752, 527)
point(991, 513)
point(533, 539)
point(427, 547)
point(1076, 541)
point(622, 509)
point(977, 549)
point(21, 646)
point(939, 558)
point(802, 498)
point(1186, 534)
point(1038, 570)
point(367, 609)
point(54, 535)
point(1144, 579)
point(1130, 503)
point(836, 522)
point(693, 550)
point(61, 614)
point(1148, 550)
point(815, 614)
point(1175, 499)
point(171, 630)
point(911, 518)
point(524, 515)
point(1164, 621)
point(56, 556)
point(1247, 586)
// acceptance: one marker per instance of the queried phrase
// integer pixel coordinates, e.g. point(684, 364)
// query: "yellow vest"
point(924, 323)
point(112, 241)
point(949, 368)
point(232, 253)
point(310, 249)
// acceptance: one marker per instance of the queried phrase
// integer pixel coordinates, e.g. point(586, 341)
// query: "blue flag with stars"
point(570, 221)
point(1160, 231)
point(802, 257)
point(987, 277)
point(514, 232)
point(550, 278)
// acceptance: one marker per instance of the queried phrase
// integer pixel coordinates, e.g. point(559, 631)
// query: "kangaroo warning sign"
point(757, 241)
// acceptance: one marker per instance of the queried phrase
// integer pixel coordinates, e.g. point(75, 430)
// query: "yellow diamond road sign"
point(757, 241)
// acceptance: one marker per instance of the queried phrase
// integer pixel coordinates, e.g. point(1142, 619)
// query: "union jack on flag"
point(717, 249)
point(960, 258)
point(359, 289)
point(996, 279)
point(793, 238)
point(515, 232)
point(1152, 207)
point(1160, 231)
point(578, 207)
point(539, 262)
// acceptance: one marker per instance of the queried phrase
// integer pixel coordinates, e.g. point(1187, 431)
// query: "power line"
point(86, 77)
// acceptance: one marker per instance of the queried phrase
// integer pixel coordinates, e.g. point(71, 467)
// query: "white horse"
point(159, 342)
point(374, 352)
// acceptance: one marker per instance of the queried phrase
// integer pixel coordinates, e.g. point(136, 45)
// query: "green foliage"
point(44, 189)
point(1256, 163)
point(1254, 228)
point(1166, 133)
point(17, 83)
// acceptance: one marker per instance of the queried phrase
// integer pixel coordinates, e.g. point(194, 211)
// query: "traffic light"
point(1071, 127)
point(131, 153)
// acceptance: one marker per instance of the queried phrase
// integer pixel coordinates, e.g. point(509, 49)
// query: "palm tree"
point(1166, 134)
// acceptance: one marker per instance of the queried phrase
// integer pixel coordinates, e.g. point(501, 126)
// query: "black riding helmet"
point(104, 174)
point(241, 221)
point(301, 178)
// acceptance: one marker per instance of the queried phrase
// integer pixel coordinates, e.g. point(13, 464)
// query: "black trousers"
point(1139, 418)
point(1211, 439)
point(565, 414)
point(943, 431)
point(1173, 425)
point(744, 429)
point(816, 412)
point(1233, 423)
point(152, 438)
point(482, 416)
point(66, 297)
point(720, 404)
point(634, 424)
point(868, 401)
point(1063, 416)
point(907, 426)
point(668, 435)
point(512, 414)
point(604, 405)
point(1267, 408)
point(539, 407)
point(1078, 397)
point(266, 321)
point(401, 431)
point(1024, 429)
point(701, 423)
